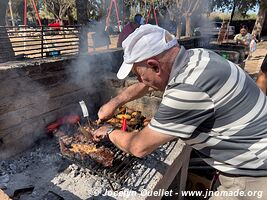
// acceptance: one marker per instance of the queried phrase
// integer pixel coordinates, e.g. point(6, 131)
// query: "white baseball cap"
point(145, 42)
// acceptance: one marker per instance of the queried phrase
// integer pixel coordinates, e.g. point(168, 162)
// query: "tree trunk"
point(3, 8)
point(233, 12)
point(82, 16)
point(82, 19)
point(260, 18)
point(179, 27)
point(6, 50)
point(188, 31)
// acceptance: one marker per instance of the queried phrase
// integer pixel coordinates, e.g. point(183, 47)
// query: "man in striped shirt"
point(208, 102)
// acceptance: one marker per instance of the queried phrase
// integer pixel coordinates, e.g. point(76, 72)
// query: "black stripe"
point(190, 54)
point(167, 114)
point(261, 110)
point(239, 106)
point(235, 85)
point(215, 75)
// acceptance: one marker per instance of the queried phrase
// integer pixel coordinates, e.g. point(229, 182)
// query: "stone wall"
point(37, 92)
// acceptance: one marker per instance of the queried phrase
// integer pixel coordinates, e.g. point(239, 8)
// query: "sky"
point(254, 11)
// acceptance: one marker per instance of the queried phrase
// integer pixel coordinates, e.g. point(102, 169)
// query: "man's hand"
point(101, 133)
point(107, 110)
point(133, 92)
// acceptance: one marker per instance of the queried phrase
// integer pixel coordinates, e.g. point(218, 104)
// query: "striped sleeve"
point(183, 108)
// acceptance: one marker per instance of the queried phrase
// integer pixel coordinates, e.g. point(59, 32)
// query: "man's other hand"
point(107, 111)
point(101, 133)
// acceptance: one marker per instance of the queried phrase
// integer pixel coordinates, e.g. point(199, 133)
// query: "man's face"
point(153, 77)
point(243, 31)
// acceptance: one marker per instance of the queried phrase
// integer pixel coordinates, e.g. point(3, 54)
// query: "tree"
point(243, 6)
point(3, 8)
point(59, 8)
point(184, 8)
point(261, 17)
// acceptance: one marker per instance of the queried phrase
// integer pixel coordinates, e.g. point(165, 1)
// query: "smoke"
point(23, 109)
point(89, 71)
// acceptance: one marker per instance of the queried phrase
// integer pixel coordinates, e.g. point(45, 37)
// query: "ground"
point(252, 66)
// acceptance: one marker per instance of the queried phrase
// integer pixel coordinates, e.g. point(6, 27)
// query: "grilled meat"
point(79, 147)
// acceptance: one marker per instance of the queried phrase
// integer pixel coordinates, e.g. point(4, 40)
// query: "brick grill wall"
point(6, 50)
point(36, 93)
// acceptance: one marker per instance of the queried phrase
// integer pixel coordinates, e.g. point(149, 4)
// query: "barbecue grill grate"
point(117, 174)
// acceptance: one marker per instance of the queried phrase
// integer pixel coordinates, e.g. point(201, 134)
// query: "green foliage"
point(243, 6)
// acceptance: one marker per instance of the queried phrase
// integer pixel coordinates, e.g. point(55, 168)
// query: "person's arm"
point(236, 38)
point(262, 81)
point(179, 115)
point(138, 144)
point(131, 93)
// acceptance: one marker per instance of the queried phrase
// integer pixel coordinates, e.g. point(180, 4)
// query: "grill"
point(116, 175)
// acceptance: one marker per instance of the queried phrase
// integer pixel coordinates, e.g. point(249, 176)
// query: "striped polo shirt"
point(216, 108)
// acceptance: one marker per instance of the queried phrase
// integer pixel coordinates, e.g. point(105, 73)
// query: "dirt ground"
point(112, 45)
point(252, 66)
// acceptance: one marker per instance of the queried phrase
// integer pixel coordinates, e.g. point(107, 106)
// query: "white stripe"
point(210, 142)
point(228, 86)
point(187, 105)
point(229, 130)
point(191, 65)
point(233, 91)
point(176, 134)
point(251, 154)
point(259, 145)
point(174, 127)
point(263, 110)
point(246, 118)
point(218, 165)
point(254, 164)
point(241, 158)
point(186, 95)
point(200, 138)
point(200, 68)
point(263, 155)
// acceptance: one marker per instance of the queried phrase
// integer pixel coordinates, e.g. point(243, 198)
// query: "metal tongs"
point(86, 133)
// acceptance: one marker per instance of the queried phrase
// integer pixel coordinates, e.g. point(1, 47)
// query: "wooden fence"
point(43, 41)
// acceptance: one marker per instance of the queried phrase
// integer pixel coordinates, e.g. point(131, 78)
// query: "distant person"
point(129, 28)
point(252, 45)
point(262, 76)
point(243, 37)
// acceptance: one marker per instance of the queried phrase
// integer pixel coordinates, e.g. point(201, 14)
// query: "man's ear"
point(154, 65)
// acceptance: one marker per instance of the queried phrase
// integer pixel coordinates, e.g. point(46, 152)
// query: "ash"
point(44, 169)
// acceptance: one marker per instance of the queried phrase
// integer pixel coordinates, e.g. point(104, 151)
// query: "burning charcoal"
point(13, 167)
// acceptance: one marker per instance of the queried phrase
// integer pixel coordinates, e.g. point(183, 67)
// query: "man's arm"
point(133, 92)
point(138, 144)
